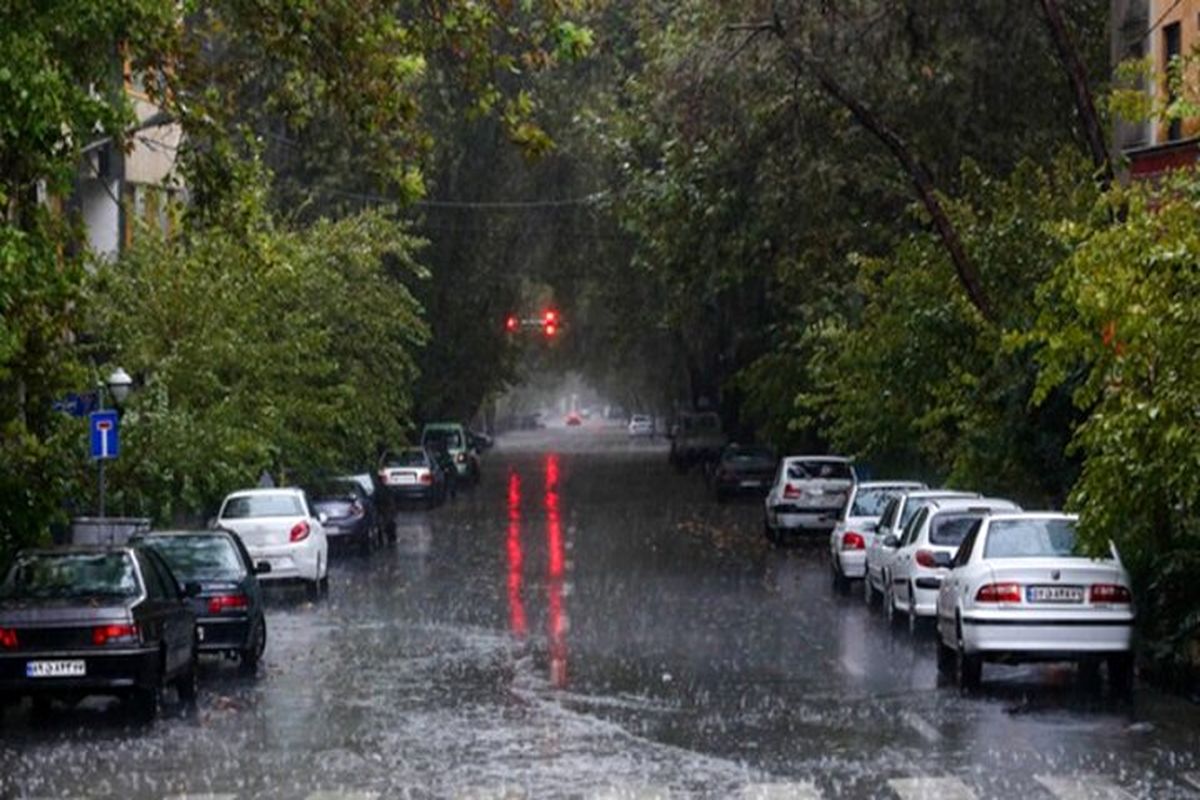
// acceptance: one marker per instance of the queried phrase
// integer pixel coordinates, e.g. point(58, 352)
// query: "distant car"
point(743, 469)
point(413, 474)
point(280, 527)
point(696, 438)
point(445, 463)
point(1019, 591)
point(229, 605)
point(452, 437)
point(351, 518)
point(898, 512)
point(808, 494)
point(641, 425)
point(574, 420)
point(855, 529)
point(923, 556)
point(95, 620)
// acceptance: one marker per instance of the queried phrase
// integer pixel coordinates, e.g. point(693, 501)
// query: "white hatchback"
point(855, 530)
point(278, 526)
point(1018, 591)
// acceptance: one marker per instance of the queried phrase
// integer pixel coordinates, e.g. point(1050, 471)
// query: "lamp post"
point(118, 385)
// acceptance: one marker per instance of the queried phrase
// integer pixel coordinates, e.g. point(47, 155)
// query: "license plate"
point(56, 669)
point(199, 633)
point(751, 484)
point(404, 480)
point(1054, 594)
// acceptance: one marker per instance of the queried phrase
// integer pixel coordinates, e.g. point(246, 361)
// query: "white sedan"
point(641, 425)
point(924, 554)
point(808, 494)
point(855, 530)
point(1018, 591)
point(278, 526)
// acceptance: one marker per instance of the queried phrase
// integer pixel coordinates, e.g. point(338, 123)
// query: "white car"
point(641, 425)
point(924, 554)
point(278, 526)
point(896, 515)
point(1018, 592)
point(808, 494)
point(855, 530)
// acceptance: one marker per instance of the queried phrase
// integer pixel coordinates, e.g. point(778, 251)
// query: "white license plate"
point(199, 633)
point(1054, 594)
point(56, 669)
point(406, 479)
point(751, 484)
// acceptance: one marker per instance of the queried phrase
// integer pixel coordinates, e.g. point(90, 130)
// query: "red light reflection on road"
point(557, 614)
point(516, 608)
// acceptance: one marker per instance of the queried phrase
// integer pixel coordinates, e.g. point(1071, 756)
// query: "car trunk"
point(340, 508)
point(1054, 572)
point(55, 624)
point(825, 495)
point(258, 532)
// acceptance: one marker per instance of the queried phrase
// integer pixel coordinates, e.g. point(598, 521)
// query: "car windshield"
point(405, 458)
point(333, 491)
point(949, 530)
point(819, 470)
point(262, 505)
point(445, 439)
point(53, 576)
point(198, 558)
point(870, 502)
point(1030, 538)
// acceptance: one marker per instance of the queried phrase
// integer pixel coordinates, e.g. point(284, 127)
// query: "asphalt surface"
point(586, 623)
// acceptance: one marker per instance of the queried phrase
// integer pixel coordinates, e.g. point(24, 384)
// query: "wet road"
point(588, 624)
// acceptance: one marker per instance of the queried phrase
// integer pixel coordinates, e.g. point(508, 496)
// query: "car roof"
point(76, 549)
point(834, 459)
point(938, 494)
point(268, 490)
point(1033, 515)
point(916, 485)
point(182, 533)
point(960, 504)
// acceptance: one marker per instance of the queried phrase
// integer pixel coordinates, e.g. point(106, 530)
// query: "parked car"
point(922, 557)
point(229, 605)
point(1019, 591)
point(641, 425)
point(481, 441)
point(855, 529)
point(696, 438)
point(898, 512)
point(574, 420)
point(452, 437)
point(808, 495)
point(351, 518)
point(107, 620)
point(743, 469)
point(280, 527)
point(413, 474)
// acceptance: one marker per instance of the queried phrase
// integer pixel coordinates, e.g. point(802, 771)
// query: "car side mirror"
point(891, 541)
point(212, 524)
point(322, 517)
point(262, 567)
point(192, 589)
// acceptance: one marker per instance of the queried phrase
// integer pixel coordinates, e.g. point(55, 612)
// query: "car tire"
point(841, 584)
point(145, 700)
point(391, 531)
point(889, 602)
point(1120, 674)
point(945, 657)
point(914, 622)
point(249, 657)
point(769, 532)
point(869, 593)
point(969, 667)
point(187, 684)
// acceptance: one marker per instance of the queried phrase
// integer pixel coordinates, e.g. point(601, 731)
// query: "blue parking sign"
point(105, 441)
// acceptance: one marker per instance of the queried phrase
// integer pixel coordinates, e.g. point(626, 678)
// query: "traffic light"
point(550, 323)
point(511, 323)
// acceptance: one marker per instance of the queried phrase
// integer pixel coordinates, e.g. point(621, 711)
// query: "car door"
point(178, 622)
point(902, 559)
point(875, 549)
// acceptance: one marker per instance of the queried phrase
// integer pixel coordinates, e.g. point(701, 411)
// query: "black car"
point(229, 604)
point(84, 621)
point(352, 519)
point(411, 474)
point(743, 469)
point(445, 462)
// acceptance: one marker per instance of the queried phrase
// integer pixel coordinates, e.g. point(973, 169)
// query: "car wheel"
point(869, 595)
point(1120, 674)
point(252, 654)
point(914, 621)
point(186, 684)
point(889, 602)
point(840, 583)
point(769, 532)
point(945, 657)
point(970, 666)
point(41, 705)
point(144, 700)
point(391, 531)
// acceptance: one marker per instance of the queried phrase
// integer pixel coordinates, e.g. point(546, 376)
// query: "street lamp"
point(119, 384)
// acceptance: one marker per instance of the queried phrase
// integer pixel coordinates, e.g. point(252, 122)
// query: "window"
point(889, 513)
point(262, 505)
point(871, 502)
point(70, 575)
point(1030, 538)
point(156, 587)
point(914, 526)
point(950, 530)
point(1172, 47)
point(819, 470)
point(199, 558)
point(964, 550)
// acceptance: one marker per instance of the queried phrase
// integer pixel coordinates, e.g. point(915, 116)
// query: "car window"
point(872, 501)
point(412, 457)
point(1030, 538)
point(347, 491)
point(913, 527)
point(170, 580)
point(263, 505)
point(968, 544)
point(198, 558)
point(749, 456)
point(889, 512)
point(448, 439)
point(911, 508)
point(39, 576)
point(819, 470)
point(156, 587)
point(949, 530)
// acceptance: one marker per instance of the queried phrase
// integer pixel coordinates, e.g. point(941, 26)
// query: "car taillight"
point(8, 638)
point(926, 559)
point(227, 602)
point(853, 541)
point(426, 478)
point(115, 634)
point(790, 492)
point(999, 593)
point(1109, 593)
point(299, 532)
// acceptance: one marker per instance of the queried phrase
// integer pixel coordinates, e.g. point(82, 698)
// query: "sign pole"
point(100, 467)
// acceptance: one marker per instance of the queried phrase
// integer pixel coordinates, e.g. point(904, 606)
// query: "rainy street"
point(588, 623)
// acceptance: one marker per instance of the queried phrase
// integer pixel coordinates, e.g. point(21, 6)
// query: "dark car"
point(83, 621)
point(411, 474)
point(229, 604)
point(445, 462)
point(352, 519)
point(743, 469)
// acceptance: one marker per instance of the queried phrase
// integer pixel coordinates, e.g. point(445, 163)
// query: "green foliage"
point(259, 347)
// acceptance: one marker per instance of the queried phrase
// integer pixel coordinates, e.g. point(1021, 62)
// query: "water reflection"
point(516, 608)
point(557, 614)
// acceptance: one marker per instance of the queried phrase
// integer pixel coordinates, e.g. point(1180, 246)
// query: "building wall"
point(1182, 16)
point(101, 215)
point(1129, 20)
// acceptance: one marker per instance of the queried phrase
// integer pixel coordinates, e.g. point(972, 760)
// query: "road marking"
point(1193, 778)
point(931, 789)
point(491, 794)
point(201, 797)
point(632, 793)
point(853, 667)
point(1083, 787)
point(340, 795)
point(781, 791)
point(921, 726)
